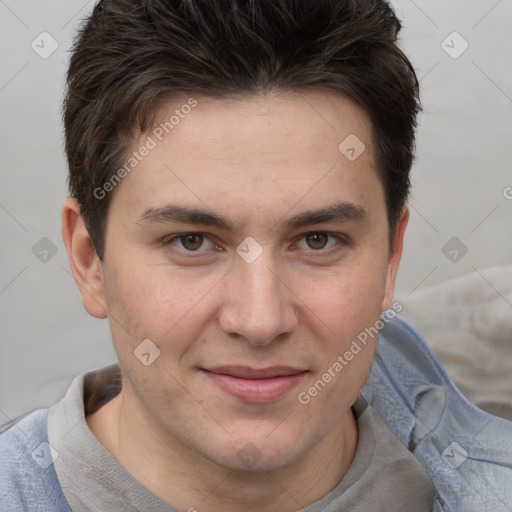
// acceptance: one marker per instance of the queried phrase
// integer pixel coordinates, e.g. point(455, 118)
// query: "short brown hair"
point(131, 54)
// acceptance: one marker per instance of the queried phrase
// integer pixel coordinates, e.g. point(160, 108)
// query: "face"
point(251, 252)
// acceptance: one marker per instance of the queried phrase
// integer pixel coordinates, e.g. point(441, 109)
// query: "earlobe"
point(394, 260)
point(83, 260)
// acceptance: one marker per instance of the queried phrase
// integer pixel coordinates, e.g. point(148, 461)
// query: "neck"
point(155, 458)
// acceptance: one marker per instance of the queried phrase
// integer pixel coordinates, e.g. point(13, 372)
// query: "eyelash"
point(169, 240)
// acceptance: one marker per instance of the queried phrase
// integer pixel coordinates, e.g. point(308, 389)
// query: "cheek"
point(144, 296)
point(348, 299)
point(347, 309)
point(347, 357)
point(147, 301)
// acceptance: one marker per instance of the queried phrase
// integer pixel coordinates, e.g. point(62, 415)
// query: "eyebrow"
point(339, 212)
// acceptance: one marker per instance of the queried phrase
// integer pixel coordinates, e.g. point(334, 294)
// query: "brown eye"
point(189, 244)
point(191, 241)
point(317, 240)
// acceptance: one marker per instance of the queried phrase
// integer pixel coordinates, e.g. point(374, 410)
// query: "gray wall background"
point(462, 196)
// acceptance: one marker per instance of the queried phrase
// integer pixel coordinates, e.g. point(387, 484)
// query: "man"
point(239, 177)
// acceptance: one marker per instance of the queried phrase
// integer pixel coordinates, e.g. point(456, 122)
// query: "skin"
point(257, 161)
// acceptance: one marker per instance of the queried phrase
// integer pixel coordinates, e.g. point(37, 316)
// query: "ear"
point(83, 260)
point(394, 260)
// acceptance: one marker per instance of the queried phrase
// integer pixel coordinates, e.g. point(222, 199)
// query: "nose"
point(259, 306)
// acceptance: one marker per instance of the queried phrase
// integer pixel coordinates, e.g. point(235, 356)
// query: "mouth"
point(255, 385)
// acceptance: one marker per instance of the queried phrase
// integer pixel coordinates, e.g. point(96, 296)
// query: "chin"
point(259, 454)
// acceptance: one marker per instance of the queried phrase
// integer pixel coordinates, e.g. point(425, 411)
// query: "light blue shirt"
point(466, 451)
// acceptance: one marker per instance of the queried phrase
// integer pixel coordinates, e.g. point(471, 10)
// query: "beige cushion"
point(468, 323)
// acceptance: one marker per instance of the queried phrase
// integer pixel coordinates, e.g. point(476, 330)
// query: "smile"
point(255, 386)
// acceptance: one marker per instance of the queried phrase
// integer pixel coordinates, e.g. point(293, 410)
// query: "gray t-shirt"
point(384, 475)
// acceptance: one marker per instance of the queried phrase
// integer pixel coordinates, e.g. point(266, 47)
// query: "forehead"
point(248, 124)
point(254, 151)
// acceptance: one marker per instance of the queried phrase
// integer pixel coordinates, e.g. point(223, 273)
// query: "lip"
point(255, 385)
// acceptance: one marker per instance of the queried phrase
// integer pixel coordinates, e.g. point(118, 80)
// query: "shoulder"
point(27, 475)
point(466, 451)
